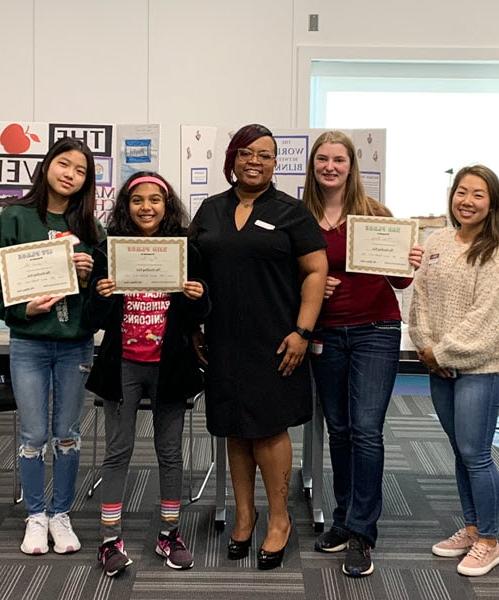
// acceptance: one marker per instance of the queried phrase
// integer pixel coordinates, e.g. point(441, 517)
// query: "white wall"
point(410, 23)
point(390, 30)
point(219, 62)
point(215, 62)
point(16, 59)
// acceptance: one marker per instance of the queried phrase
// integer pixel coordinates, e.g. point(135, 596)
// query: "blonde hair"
point(355, 200)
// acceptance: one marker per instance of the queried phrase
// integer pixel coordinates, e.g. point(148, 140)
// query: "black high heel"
point(270, 560)
point(237, 550)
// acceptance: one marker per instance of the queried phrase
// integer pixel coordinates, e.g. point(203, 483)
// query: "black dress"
point(255, 287)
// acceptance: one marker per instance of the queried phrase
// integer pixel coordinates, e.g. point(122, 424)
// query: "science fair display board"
point(118, 150)
point(203, 155)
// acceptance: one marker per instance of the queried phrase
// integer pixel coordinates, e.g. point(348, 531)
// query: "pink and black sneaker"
point(113, 557)
point(173, 549)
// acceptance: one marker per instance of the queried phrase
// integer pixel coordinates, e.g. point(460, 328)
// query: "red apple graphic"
point(15, 140)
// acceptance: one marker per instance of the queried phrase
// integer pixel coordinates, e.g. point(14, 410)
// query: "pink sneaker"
point(173, 549)
point(458, 544)
point(481, 559)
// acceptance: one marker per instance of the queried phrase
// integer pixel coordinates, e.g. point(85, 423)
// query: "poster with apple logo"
point(22, 147)
point(24, 144)
point(118, 151)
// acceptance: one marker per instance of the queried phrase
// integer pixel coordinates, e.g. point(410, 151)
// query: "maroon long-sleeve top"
point(360, 298)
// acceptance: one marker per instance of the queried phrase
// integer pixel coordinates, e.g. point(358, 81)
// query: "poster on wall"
point(137, 150)
point(203, 156)
point(22, 148)
point(118, 150)
point(370, 145)
point(198, 155)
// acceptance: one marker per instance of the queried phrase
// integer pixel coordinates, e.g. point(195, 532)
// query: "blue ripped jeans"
point(36, 367)
point(354, 376)
point(467, 408)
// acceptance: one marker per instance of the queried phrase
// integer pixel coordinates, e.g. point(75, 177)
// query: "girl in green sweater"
point(50, 347)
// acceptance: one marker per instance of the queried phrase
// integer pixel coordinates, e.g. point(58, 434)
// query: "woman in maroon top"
point(360, 329)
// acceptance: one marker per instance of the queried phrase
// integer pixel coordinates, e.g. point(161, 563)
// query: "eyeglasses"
point(246, 154)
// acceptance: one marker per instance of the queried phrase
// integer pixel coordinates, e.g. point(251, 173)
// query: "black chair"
point(8, 404)
point(145, 404)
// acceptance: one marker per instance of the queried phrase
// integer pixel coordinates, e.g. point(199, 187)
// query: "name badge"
point(264, 225)
point(433, 259)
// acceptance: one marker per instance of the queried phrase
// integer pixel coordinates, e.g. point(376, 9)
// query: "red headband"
point(148, 179)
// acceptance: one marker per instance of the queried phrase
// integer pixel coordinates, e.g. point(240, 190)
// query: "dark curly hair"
point(175, 220)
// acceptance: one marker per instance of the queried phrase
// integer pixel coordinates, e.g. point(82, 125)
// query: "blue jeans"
point(35, 366)
point(355, 375)
point(467, 408)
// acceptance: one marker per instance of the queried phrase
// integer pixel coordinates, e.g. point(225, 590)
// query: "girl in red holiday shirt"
point(145, 353)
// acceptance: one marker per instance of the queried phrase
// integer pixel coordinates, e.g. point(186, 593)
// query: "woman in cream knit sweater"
point(454, 323)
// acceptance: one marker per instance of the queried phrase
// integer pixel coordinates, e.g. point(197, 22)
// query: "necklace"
point(246, 204)
point(331, 226)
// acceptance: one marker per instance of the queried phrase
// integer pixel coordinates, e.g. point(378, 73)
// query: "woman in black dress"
point(266, 269)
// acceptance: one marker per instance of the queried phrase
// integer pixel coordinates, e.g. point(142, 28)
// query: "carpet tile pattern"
point(421, 506)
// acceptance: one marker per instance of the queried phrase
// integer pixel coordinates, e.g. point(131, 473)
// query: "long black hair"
point(174, 222)
point(79, 213)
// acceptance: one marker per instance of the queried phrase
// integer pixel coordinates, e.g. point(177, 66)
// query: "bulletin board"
point(118, 150)
point(203, 155)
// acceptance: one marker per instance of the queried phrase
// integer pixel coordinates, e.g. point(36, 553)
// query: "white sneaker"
point(62, 533)
point(36, 534)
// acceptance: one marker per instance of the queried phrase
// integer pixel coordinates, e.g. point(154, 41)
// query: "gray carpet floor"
point(420, 507)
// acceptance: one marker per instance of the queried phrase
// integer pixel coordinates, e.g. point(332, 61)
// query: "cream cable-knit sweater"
point(455, 306)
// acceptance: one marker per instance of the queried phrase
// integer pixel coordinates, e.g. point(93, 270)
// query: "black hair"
point(486, 243)
point(79, 213)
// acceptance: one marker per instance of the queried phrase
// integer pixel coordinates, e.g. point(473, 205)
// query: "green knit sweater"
point(20, 225)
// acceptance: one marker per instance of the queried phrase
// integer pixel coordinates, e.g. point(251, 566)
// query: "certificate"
point(37, 269)
point(152, 264)
point(380, 245)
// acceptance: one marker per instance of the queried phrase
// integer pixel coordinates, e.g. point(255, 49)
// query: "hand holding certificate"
point(37, 269)
point(380, 245)
point(147, 264)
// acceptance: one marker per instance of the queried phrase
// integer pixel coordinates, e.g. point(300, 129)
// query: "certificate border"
point(352, 219)
point(73, 280)
point(113, 241)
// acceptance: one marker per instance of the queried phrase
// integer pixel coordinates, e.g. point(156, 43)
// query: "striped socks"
point(170, 512)
point(110, 515)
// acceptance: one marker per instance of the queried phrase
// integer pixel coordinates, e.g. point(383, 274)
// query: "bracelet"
point(306, 334)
